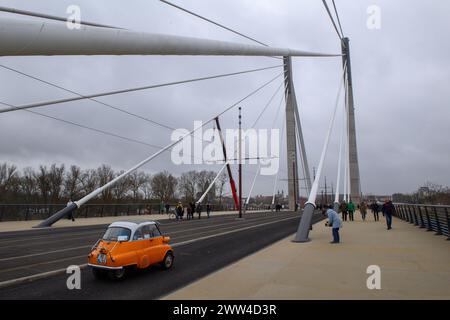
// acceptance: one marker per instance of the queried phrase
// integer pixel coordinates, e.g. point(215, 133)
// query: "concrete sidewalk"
point(414, 265)
point(28, 225)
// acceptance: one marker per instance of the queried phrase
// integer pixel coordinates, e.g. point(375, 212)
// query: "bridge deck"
point(415, 264)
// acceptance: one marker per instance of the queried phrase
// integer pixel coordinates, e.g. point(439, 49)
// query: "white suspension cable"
point(341, 142)
point(315, 186)
point(212, 183)
point(253, 184)
point(278, 172)
point(110, 93)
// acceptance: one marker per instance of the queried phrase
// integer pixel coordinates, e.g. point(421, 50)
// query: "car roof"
point(131, 224)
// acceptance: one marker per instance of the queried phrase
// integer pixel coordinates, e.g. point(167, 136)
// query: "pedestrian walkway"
point(415, 264)
point(28, 225)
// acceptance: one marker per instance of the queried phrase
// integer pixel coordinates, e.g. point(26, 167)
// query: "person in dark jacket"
point(208, 209)
point(199, 210)
point(179, 211)
point(375, 211)
point(343, 209)
point(388, 211)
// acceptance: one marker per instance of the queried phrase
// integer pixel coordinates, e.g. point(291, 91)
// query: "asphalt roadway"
point(200, 246)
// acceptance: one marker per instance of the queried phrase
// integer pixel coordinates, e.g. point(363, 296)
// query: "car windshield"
point(113, 233)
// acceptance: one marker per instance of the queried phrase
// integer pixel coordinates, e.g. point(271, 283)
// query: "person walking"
point(189, 212)
point(208, 209)
point(167, 208)
point(334, 222)
point(363, 210)
point(199, 210)
point(343, 209)
point(161, 207)
point(351, 210)
point(388, 211)
point(375, 211)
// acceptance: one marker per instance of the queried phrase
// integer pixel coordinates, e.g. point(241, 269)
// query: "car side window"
point(146, 232)
point(154, 231)
point(138, 234)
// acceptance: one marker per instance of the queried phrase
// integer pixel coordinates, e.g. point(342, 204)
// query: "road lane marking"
point(178, 244)
point(44, 253)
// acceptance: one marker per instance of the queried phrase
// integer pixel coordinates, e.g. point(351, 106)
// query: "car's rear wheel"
point(168, 260)
point(117, 274)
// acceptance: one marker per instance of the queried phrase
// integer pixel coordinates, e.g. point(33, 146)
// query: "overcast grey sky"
point(401, 77)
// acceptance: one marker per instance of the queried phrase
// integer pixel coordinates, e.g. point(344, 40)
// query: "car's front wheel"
point(168, 260)
point(117, 274)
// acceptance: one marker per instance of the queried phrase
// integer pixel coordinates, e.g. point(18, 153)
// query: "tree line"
point(57, 184)
point(429, 193)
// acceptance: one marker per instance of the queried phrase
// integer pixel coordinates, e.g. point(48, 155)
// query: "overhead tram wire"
point(51, 17)
point(332, 19)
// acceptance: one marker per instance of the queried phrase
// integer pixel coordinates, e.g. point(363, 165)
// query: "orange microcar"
point(128, 244)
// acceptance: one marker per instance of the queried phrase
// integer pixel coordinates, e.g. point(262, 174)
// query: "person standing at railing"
point(388, 211)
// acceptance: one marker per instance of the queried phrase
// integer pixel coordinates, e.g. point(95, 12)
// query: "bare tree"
point(137, 180)
point(164, 186)
point(105, 174)
point(89, 181)
point(221, 181)
point(121, 188)
point(8, 180)
point(28, 184)
point(147, 187)
point(204, 179)
point(55, 180)
point(43, 183)
point(72, 183)
point(187, 185)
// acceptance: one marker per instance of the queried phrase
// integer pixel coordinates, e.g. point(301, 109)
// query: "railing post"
point(405, 213)
point(413, 213)
point(101, 212)
point(422, 224)
point(27, 212)
point(128, 210)
point(448, 224)
point(438, 224)
point(400, 213)
point(429, 228)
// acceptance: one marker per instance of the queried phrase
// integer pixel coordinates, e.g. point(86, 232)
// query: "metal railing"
point(430, 217)
point(25, 212)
